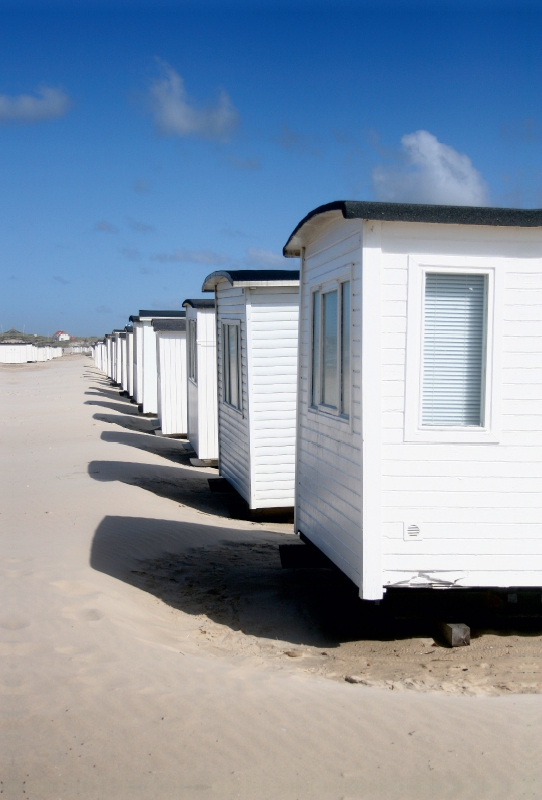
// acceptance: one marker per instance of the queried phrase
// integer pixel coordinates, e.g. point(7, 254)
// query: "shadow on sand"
point(186, 486)
point(172, 449)
point(232, 576)
point(133, 422)
point(235, 578)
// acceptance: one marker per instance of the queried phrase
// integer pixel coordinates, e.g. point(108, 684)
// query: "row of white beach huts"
point(23, 353)
point(390, 390)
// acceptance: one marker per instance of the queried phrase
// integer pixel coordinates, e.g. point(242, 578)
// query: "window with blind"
point(454, 339)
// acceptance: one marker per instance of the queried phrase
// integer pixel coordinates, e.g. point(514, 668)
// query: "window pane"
point(234, 365)
point(192, 353)
point(453, 349)
point(345, 348)
point(226, 377)
point(329, 332)
point(315, 394)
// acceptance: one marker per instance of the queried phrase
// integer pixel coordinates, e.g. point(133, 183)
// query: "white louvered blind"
point(453, 349)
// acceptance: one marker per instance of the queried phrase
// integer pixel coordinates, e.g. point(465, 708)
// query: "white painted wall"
point(329, 458)
point(171, 382)
point(257, 445)
point(202, 395)
point(273, 318)
point(138, 362)
point(130, 364)
point(233, 428)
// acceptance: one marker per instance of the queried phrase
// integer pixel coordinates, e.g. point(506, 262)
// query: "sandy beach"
point(154, 648)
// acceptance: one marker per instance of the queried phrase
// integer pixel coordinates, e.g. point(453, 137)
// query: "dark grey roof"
point(169, 324)
point(122, 335)
point(154, 314)
point(129, 328)
point(199, 303)
point(133, 318)
point(251, 277)
point(417, 212)
point(118, 330)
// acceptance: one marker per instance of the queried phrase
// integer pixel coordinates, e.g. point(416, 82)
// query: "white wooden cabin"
point(129, 361)
point(124, 366)
point(202, 430)
point(137, 359)
point(171, 375)
point(420, 390)
point(146, 366)
point(257, 320)
point(117, 348)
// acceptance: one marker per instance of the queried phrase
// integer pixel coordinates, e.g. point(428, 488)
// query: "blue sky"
point(141, 148)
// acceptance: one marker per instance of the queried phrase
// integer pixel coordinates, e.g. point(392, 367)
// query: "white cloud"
point(258, 258)
point(176, 115)
point(207, 257)
point(430, 172)
point(48, 103)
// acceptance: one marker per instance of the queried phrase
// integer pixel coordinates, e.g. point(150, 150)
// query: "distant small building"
point(61, 336)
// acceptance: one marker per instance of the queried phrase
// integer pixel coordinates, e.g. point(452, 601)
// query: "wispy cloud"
point(207, 257)
point(525, 130)
point(429, 171)
point(257, 257)
point(175, 114)
point(247, 164)
point(141, 227)
point(47, 103)
point(233, 233)
point(149, 271)
point(103, 310)
point(143, 186)
point(60, 279)
point(103, 226)
point(301, 143)
point(131, 252)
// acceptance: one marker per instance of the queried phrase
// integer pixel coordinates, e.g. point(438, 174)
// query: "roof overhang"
point(199, 303)
point(309, 227)
point(252, 278)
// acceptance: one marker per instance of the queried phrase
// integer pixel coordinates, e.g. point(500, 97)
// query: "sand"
point(153, 647)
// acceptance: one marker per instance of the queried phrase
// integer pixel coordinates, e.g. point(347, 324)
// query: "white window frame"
point(234, 323)
point(324, 288)
point(414, 430)
point(192, 354)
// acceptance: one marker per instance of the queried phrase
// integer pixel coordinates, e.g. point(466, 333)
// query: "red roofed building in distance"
point(61, 336)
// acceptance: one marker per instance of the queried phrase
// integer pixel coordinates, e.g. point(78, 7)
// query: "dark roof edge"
point(419, 212)
point(200, 302)
point(170, 325)
point(155, 314)
point(250, 276)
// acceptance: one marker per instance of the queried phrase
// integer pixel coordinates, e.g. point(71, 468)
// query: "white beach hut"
point(137, 360)
point(420, 428)
point(124, 365)
point(145, 369)
point(171, 375)
point(129, 389)
point(202, 399)
point(257, 328)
